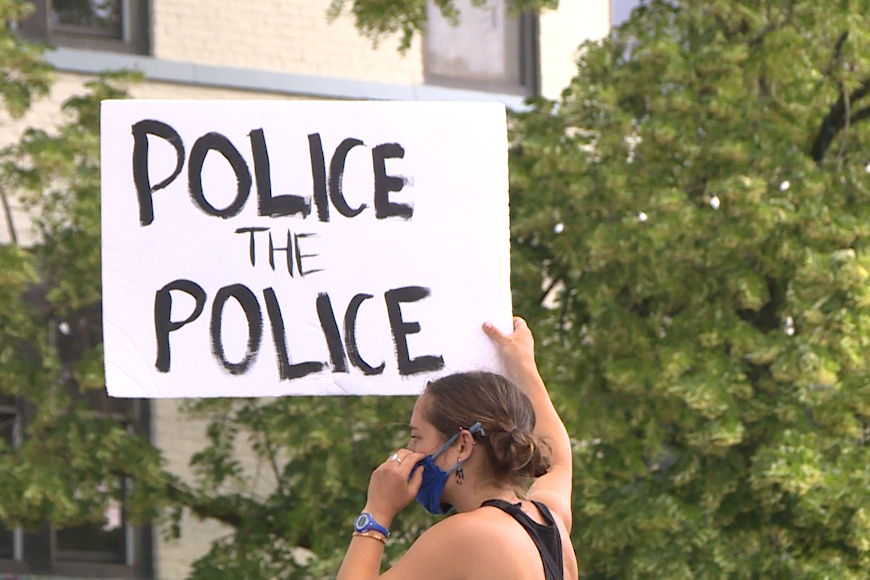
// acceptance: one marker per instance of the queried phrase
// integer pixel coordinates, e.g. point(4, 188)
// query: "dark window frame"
point(12, 409)
point(136, 26)
point(40, 555)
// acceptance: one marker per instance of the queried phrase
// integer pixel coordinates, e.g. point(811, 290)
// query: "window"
point(488, 50)
point(7, 543)
point(114, 25)
point(620, 10)
point(105, 542)
point(8, 437)
point(111, 548)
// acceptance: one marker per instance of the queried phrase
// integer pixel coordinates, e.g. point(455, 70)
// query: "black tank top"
point(545, 537)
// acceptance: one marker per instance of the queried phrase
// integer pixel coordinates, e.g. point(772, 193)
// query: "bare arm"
point(518, 352)
point(391, 487)
point(363, 559)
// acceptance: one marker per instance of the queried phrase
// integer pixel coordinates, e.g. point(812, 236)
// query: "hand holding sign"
point(369, 274)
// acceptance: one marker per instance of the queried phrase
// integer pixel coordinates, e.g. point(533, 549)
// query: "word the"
point(292, 251)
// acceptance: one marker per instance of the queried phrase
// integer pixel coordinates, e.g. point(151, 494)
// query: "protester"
point(477, 440)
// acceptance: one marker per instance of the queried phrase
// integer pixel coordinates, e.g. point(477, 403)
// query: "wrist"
point(525, 374)
point(380, 516)
point(367, 523)
point(373, 535)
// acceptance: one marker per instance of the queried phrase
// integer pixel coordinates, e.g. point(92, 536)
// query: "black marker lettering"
point(267, 205)
point(286, 370)
point(336, 176)
point(401, 330)
point(318, 174)
point(219, 143)
point(350, 337)
point(251, 307)
point(300, 255)
point(288, 249)
point(384, 183)
point(330, 332)
point(163, 324)
point(252, 231)
point(141, 130)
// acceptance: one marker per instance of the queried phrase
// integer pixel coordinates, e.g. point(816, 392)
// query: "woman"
point(481, 438)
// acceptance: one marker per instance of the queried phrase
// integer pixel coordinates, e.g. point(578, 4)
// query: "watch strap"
point(365, 522)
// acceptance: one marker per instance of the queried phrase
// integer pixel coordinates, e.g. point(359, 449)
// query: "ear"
point(465, 444)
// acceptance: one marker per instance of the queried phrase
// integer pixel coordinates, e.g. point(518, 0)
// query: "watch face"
point(361, 521)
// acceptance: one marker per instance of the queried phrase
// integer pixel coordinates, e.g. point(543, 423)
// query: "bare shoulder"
point(465, 531)
point(503, 550)
point(455, 535)
point(522, 544)
point(480, 544)
point(454, 544)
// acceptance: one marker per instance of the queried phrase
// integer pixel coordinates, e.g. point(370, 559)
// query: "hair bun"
point(519, 452)
point(513, 453)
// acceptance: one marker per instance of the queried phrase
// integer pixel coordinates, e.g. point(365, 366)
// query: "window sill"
point(186, 73)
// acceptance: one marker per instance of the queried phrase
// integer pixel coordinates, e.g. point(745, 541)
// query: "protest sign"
point(257, 248)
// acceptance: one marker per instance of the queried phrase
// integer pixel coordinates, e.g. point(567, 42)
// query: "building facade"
point(264, 49)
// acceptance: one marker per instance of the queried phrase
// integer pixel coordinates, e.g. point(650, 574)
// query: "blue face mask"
point(434, 478)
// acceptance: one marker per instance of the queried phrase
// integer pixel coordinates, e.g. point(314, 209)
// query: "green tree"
point(689, 244)
point(72, 456)
point(696, 209)
point(377, 19)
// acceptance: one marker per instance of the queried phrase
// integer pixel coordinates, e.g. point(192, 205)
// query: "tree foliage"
point(72, 453)
point(697, 206)
point(689, 244)
point(377, 19)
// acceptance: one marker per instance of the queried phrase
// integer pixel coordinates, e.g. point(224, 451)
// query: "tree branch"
point(273, 462)
point(835, 121)
point(7, 210)
point(225, 509)
point(848, 113)
point(861, 115)
point(555, 280)
point(357, 456)
point(838, 53)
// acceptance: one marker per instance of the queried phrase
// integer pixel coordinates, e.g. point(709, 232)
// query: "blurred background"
point(690, 182)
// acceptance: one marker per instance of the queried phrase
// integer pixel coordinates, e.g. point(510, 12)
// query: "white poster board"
point(255, 248)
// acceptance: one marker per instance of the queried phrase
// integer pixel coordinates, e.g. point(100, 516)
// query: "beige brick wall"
point(561, 32)
point(277, 35)
point(44, 114)
point(179, 437)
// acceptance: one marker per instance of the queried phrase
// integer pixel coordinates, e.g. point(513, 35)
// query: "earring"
point(460, 475)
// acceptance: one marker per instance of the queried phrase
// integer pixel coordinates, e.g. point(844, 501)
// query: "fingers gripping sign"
point(517, 349)
point(394, 485)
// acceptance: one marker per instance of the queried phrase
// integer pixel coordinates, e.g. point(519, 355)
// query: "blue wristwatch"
point(366, 523)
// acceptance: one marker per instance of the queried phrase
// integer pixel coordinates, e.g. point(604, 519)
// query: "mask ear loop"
point(475, 428)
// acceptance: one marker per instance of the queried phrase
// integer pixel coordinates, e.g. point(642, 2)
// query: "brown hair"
point(514, 453)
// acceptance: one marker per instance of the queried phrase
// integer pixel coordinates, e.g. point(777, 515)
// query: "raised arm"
point(518, 352)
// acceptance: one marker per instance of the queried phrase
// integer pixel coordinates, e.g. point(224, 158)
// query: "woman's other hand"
point(392, 486)
point(517, 349)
